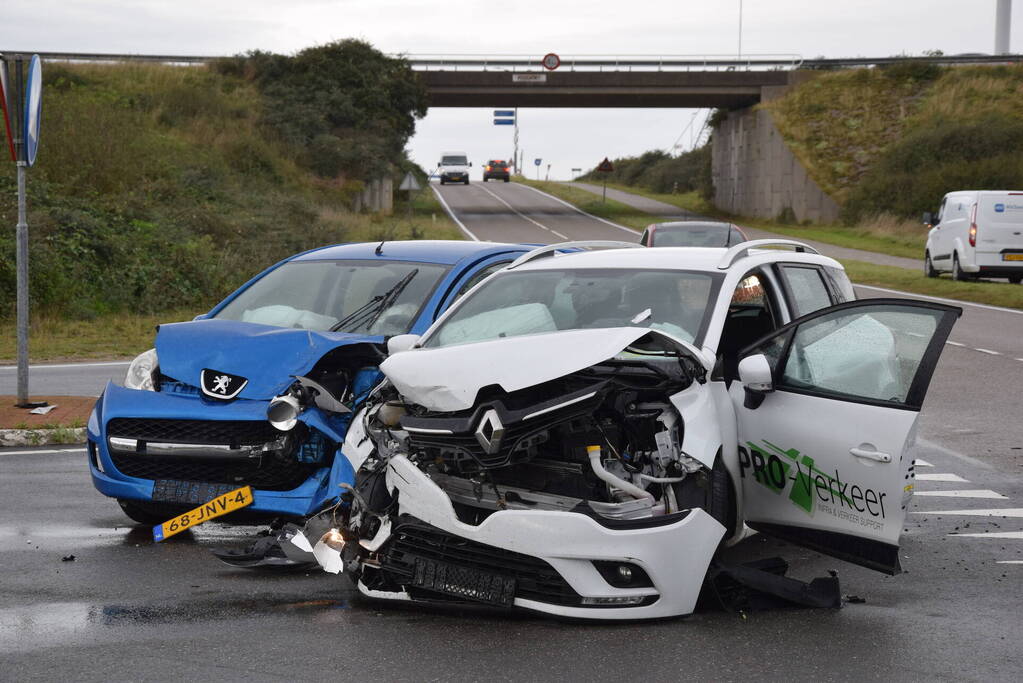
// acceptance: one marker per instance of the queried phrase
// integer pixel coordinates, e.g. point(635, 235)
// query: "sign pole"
point(22, 267)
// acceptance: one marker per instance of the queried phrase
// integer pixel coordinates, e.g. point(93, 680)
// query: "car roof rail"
point(743, 249)
point(550, 249)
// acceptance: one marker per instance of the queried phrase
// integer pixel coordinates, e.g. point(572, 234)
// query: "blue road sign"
point(33, 109)
point(504, 112)
point(504, 122)
point(537, 161)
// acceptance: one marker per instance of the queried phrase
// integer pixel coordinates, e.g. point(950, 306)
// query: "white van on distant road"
point(977, 233)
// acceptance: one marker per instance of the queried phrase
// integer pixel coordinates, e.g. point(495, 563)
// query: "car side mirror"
point(402, 342)
point(756, 377)
point(928, 218)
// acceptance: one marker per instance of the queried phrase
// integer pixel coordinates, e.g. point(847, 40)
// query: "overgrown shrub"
point(659, 172)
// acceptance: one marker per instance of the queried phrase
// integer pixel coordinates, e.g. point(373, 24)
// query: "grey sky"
point(565, 138)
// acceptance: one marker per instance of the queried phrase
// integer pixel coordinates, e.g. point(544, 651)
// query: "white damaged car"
point(582, 431)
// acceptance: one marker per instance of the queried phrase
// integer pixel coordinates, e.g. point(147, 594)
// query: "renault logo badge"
point(490, 432)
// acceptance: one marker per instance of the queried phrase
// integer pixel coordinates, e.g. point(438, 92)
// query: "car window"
point(807, 289)
point(374, 297)
point(842, 286)
point(454, 161)
point(533, 302)
point(735, 237)
point(479, 277)
point(871, 354)
point(697, 235)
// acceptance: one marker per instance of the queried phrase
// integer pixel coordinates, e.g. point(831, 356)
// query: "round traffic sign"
point(33, 109)
point(551, 61)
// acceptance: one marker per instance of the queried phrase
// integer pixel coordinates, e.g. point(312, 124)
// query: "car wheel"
point(1015, 279)
point(506, 179)
point(442, 181)
point(711, 491)
point(466, 181)
point(957, 272)
point(484, 179)
point(929, 269)
point(150, 515)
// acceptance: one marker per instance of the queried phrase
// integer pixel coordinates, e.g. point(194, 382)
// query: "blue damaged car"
point(260, 390)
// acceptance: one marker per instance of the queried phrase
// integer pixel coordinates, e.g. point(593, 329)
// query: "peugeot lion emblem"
point(490, 432)
point(222, 385)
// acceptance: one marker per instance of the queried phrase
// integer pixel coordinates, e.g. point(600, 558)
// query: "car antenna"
point(380, 248)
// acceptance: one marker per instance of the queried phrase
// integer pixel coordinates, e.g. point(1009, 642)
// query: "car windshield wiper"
point(368, 313)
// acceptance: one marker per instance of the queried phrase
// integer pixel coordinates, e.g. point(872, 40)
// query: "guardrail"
point(595, 62)
point(481, 62)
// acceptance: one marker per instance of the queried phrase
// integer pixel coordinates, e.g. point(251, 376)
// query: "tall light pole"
point(1003, 22)
point(740, 28)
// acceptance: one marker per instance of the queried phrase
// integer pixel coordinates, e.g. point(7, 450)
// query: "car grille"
point(414, 540)
point(272, 472)
point(519, 433)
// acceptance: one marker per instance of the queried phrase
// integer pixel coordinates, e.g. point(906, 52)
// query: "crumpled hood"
point(448, 379)
point(265, 355)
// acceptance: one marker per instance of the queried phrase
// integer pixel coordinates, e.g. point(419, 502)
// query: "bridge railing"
point(484, 62)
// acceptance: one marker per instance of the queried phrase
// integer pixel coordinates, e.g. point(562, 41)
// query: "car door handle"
point(871, 455)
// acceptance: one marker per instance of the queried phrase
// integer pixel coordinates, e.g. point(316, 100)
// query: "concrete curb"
point(42, 437)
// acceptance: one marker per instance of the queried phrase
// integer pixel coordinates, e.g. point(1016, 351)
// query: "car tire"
point(442, 182)
point(957, 272)
point(150, 514)
point(506, 179)
point(466, 181)
point(484, 179)
point(1015, 279)
point(929, 269)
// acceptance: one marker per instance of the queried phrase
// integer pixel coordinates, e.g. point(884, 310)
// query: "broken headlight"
point(141, 371)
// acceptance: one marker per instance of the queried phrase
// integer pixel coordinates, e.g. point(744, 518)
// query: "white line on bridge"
point(43, 451)
point(994, 534)
point(68, 365)
point(941, 476)
point(963, 493)
point(994, 512)
point(452, 216)
point(522, 215)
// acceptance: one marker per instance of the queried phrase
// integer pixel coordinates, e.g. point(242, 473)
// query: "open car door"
point(827, 408)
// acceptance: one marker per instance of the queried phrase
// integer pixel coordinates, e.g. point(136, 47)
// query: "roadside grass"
point(123, 335)
point(882, 233)
point(994, 293)
point(110, 336)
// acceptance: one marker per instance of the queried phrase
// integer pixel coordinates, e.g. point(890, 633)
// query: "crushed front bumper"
point(287, 489)
point(547, 561)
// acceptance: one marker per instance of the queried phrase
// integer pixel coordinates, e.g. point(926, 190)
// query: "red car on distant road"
point(496, 169)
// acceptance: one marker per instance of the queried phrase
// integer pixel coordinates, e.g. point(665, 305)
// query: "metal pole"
point(22, 268)
point(515, 156)
point(1003, 22)
point(603, 196)
point(740, 30)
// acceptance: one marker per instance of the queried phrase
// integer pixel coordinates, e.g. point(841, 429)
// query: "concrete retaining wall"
point(377, 196)
point(755, 173)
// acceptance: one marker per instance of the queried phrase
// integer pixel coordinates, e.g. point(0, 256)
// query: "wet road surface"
point(129, 609)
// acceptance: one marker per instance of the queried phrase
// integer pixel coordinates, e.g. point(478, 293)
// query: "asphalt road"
point(64, 379)
point(129, 609)
point(138, 611)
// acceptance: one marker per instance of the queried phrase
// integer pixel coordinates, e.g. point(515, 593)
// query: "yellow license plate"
point(1012, 257)
point(221, 505)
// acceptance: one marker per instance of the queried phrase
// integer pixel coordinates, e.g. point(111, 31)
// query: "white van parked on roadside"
point(976, 233)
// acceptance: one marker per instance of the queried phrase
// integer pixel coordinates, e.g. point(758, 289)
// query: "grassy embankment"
point(160, 189)
point(996, 293)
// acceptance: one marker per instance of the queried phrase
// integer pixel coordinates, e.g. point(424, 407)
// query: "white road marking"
point(991, 512)
point(522, 215)
point(964, 493)
point(988, 351)
point(957, 302)
point(573, 206)
point(452, 216)
point(44, 451)
point(952, 343)
point(1010, 562)
point(68, 365)
point(1020, 360)
point(941, 476)
point(995, 534)
point(922, 463)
